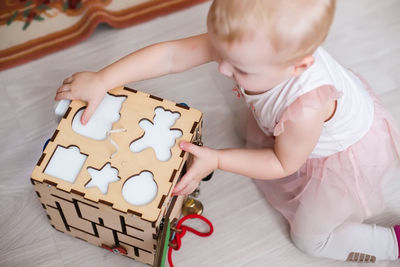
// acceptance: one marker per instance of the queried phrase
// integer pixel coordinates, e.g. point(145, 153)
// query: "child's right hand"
point(85, 86)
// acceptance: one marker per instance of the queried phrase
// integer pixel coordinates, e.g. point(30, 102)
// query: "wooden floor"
point(365, 37)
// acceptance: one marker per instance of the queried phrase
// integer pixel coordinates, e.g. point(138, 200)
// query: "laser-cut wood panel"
point(108, 219)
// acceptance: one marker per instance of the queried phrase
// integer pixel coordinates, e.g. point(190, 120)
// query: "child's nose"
point(225, 68)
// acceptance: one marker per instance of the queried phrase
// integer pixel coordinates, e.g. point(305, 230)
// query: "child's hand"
point(205, 160)
point(85, 86)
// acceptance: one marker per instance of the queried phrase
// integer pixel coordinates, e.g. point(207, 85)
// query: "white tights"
point(370, 241)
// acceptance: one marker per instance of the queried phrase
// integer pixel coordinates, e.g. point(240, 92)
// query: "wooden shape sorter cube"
point(110, 186)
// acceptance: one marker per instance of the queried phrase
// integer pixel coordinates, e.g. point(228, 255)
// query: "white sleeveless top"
point(354, 112)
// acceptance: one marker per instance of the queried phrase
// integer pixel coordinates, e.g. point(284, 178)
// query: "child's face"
point(251, 62)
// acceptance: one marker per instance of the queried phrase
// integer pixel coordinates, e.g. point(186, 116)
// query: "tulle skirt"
point(344, 187)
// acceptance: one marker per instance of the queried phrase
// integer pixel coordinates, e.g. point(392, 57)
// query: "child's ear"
point(302, 65)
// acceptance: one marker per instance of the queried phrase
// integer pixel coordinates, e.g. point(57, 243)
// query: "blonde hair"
point(295, 28)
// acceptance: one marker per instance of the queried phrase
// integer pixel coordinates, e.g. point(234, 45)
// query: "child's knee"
point(312, 246)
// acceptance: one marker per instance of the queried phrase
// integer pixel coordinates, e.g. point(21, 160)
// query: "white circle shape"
point(140, 190)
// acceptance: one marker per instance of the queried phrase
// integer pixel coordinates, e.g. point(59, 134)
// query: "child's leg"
point(352, 242)
point(328, 223)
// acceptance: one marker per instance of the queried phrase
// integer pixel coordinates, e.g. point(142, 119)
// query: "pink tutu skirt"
point(344, 187)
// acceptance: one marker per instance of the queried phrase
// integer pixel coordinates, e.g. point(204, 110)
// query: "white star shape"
point(101, 178)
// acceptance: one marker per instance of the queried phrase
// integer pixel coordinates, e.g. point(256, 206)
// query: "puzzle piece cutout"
point(101, 178)
point(140, 189)
point(66, 163)
point(101, 122)
point(158, 135)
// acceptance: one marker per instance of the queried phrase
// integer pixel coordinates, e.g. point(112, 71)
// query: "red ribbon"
point(181, 231)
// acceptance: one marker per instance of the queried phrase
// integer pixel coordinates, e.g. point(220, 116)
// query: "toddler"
point(333, 144)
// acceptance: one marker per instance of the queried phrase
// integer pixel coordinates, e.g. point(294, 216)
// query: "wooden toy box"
point(109, 217)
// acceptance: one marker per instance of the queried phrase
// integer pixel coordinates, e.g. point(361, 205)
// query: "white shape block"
point(140, 189)
point(101, 122)
point(101, 178)
point(158, 136)
point(66, 163)
point(60, 108)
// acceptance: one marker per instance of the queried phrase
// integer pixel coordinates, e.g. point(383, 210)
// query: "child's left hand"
point(205, 161)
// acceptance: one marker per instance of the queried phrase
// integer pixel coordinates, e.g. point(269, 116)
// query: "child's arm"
point(149, 62)
point(290, 151)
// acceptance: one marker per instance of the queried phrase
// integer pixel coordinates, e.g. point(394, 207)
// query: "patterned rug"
point(30, 29)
